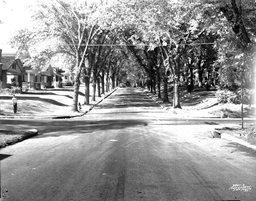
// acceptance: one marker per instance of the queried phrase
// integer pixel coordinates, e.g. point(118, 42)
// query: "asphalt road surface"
point(127, 148)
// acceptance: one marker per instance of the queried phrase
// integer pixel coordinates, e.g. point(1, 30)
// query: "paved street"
point(126, 148)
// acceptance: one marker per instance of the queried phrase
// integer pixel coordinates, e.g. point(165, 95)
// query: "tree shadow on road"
point(243, 149)
point(58, 128)
point(131, 102)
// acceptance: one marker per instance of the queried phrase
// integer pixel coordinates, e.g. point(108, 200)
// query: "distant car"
point(67, 83)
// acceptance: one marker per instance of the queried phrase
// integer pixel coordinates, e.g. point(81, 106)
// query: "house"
point(51, 77)
point(11, 70)
point(31, 78)
point(68, 77)
point(41, 80)
point(13, 73)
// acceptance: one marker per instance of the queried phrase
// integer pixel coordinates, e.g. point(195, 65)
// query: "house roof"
point(51, 71)
point(7, 61)
point(48, 72)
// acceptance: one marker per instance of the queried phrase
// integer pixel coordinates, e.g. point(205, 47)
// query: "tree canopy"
point(167, 40)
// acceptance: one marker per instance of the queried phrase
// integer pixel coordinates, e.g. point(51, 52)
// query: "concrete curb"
point(24, 134)
point(217, 134)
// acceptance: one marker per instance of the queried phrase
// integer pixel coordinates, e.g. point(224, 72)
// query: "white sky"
point(14, 15)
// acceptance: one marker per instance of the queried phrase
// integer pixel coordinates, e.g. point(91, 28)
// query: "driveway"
point(127, 148)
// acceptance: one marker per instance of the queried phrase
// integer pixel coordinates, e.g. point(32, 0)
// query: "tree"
point(232, 21)
point(159, 24)
point(66, 28)
point(98, 59)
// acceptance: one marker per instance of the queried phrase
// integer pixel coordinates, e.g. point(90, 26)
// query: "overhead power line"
point(124, 45)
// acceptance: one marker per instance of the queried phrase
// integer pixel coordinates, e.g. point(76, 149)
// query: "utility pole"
point(1, 68)
point(242, 104)
point(242, 91)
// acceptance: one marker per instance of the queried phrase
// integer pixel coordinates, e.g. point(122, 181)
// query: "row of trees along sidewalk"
point(163, 40)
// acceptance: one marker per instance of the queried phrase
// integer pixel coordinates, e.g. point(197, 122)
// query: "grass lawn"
point(40, 104)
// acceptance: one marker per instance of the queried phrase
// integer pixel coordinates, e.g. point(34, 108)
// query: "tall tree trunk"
point(191, 77)
point(165, 92)
point(151, 86)
point(98, 84)
point(94, 90)
point(190, 81)
point(94, 84)
point(200, 72)
point(107, 83)
point(176, 94)
point(176, 80)
point(148, 82)
point(113, 81)
point(158, 83)
point(76, 91)
point(87, 90)
point(154, 85)
point(103, 82)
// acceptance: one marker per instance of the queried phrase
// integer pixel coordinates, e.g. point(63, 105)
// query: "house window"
point(14, 66)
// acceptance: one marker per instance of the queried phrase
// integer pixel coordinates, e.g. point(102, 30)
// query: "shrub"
point(16, 90)
point(60, 84)
point(227, 96)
